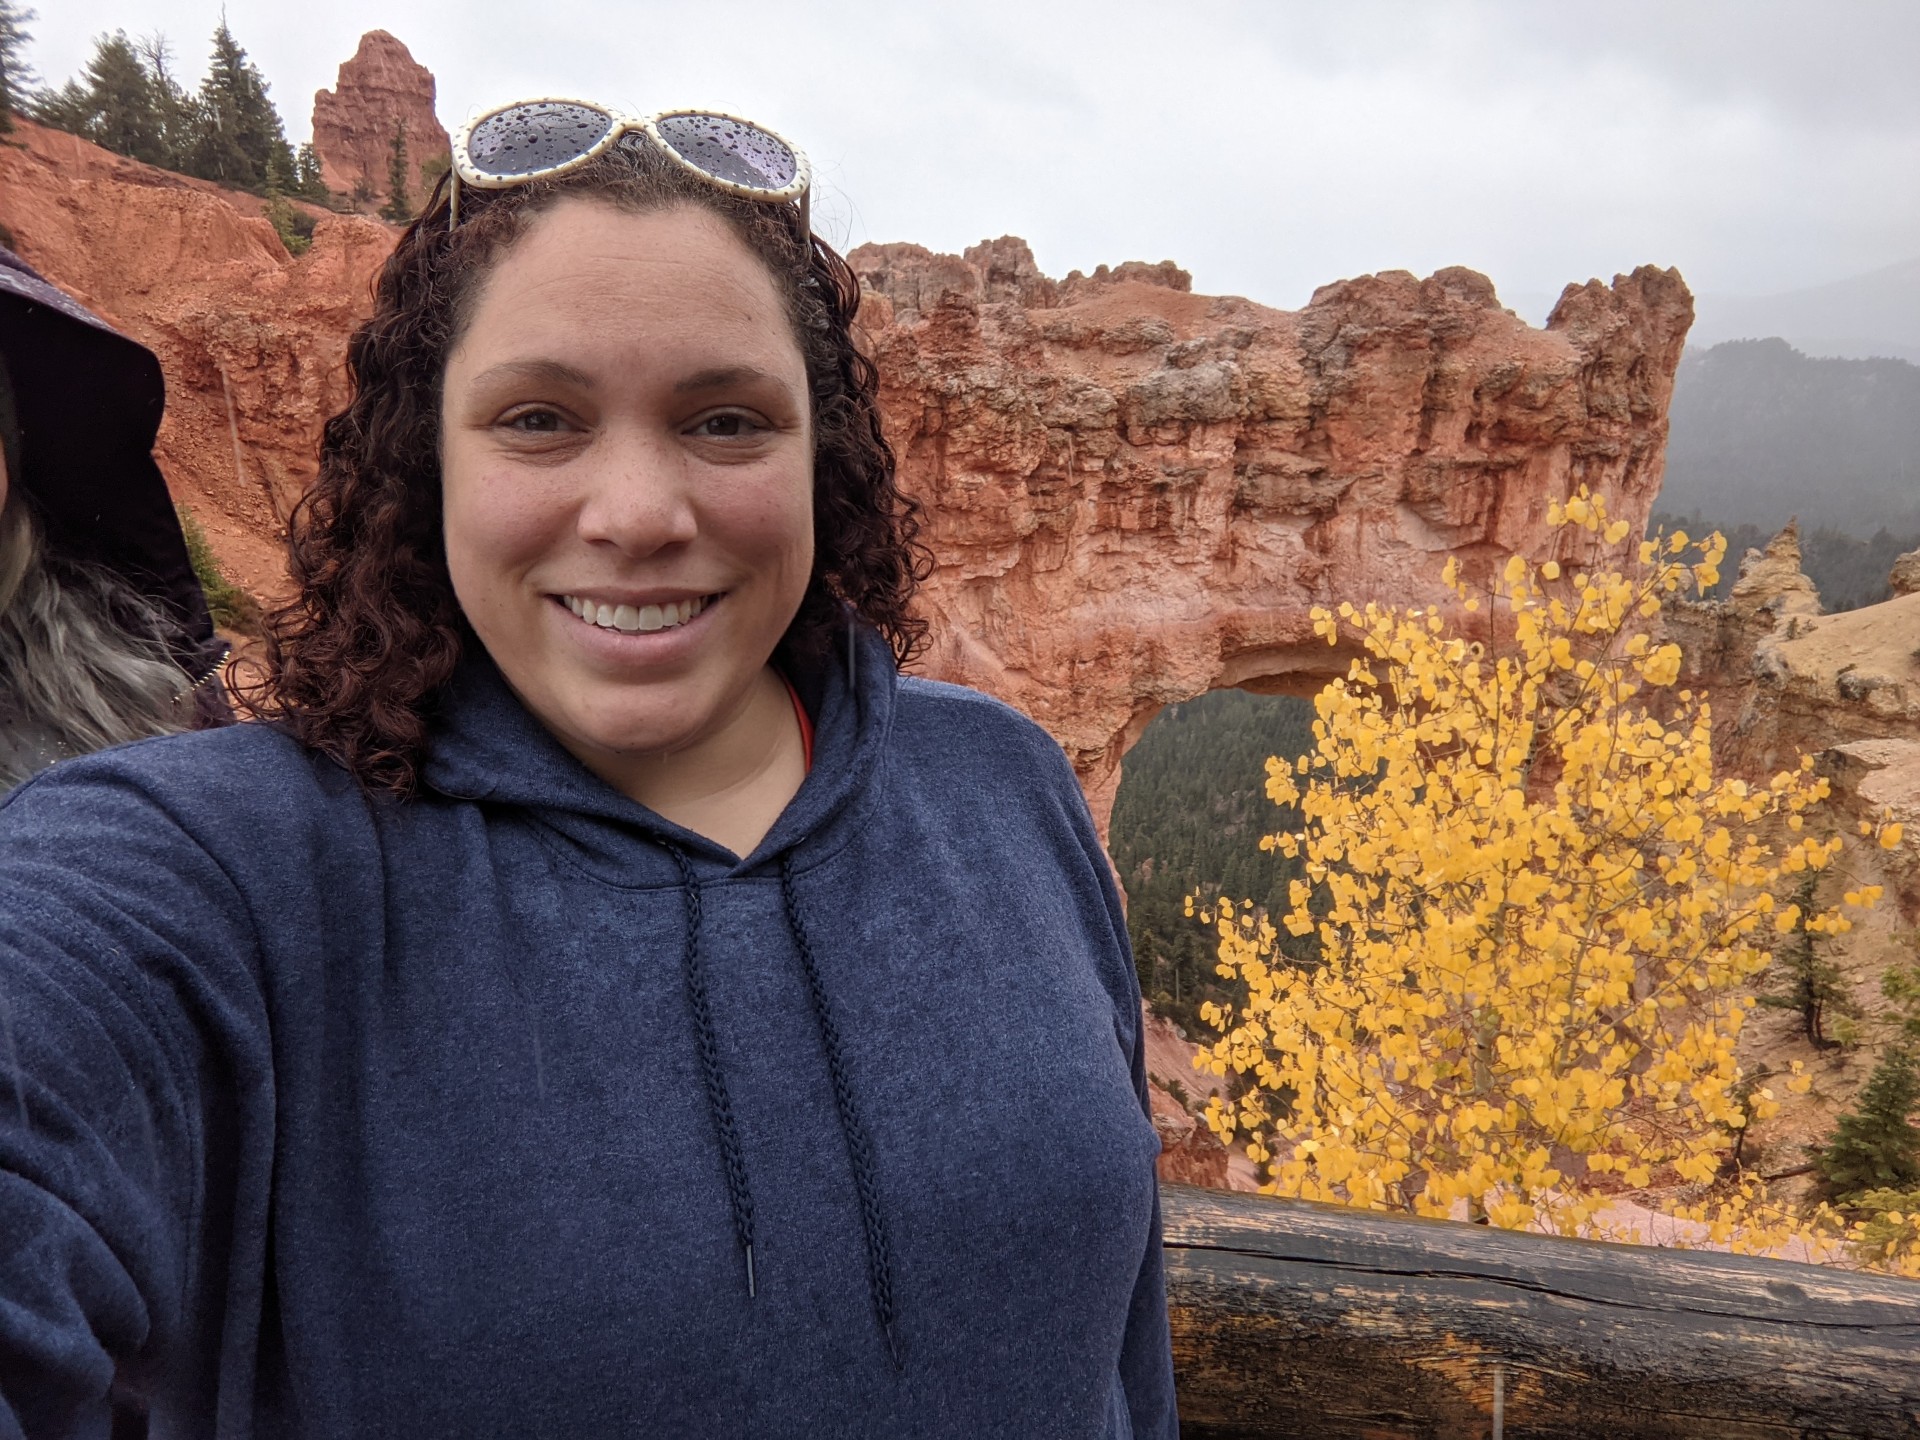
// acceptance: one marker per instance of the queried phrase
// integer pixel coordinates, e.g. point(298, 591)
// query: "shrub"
point(231, 606)
point(1538, 911)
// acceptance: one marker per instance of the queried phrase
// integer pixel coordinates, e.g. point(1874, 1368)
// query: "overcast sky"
point(1759, 145)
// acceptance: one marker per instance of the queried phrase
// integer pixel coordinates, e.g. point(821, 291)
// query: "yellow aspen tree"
point(1538, 910)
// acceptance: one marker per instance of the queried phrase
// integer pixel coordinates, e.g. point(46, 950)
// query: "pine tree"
point(113, 103)
point(16, 77)
point(286, 221)
point(1877, 1145)
point(172, 105)
point(399, 206)
point(308, 182)
point(238, 131)
point(1809, 983)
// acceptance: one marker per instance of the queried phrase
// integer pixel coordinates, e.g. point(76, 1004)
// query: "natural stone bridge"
point(1137, 494)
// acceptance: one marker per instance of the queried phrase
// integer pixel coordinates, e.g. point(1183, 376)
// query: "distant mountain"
point(1876, 314)
point(1762, 432)
point(1867, 316)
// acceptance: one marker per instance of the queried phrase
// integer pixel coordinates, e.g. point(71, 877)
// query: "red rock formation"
point(380, 87)
point(1137, 494)
point(1905, 578)
point(251, 340)
point(1189, 1153)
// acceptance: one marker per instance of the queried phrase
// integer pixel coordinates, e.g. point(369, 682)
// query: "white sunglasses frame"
point(619, 123)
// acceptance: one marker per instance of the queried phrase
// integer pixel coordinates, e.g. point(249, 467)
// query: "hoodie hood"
point(87, 402)
point(487, 746)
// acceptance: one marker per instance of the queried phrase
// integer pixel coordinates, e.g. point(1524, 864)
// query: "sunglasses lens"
point(731, 150)
point(526, 139)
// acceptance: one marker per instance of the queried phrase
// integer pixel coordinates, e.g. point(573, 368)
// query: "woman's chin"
point(623, 733)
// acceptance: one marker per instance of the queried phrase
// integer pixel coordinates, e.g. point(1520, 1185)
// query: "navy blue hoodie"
point(516, 1110)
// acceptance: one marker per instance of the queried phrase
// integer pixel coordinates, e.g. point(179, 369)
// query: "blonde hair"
point(83, 659)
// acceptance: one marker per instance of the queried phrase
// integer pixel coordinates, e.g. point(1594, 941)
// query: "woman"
point(607, 998)
point(104, 633)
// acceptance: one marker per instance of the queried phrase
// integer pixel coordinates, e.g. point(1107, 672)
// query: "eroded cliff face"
point(251, 340)
point(1787, 681)
point(381, 87)
point(1137, 494)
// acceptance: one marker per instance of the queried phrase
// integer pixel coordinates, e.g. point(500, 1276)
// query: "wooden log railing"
point(1296, 1320)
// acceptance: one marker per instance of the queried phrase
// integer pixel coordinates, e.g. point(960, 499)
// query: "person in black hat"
point(104, 630)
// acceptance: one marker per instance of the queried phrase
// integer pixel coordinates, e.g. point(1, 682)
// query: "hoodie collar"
point(487, 746)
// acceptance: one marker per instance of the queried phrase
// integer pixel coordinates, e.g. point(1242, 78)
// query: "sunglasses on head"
point(537, 139)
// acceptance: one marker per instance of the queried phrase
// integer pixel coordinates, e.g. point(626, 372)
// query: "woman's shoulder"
point(937, 709)
point(204, 781)
point(948, 729)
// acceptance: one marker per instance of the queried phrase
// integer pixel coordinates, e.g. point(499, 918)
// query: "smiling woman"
point(601, 994)
point(609, 348)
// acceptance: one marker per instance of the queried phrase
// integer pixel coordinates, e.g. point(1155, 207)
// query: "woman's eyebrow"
point(721, 377)
point(552, 371)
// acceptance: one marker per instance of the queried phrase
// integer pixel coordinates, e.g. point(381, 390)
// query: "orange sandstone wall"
point(1137, 494)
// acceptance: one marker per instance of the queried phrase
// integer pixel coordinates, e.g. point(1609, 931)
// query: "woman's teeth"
point(629, 618)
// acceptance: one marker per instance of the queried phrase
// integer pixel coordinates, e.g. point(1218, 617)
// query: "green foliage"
point(307, 181)
point(1877, 1146)
point(16, 76)
point(177, 112)
point(1890, 1220)
point(127, 100)
point(1190, 811)
point(1807, 982)
point(293, 227)
point(399, 206)
point(116, 103)
point(238, 134)
point(232, 608)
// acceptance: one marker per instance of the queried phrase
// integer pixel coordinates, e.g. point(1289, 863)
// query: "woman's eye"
point(725, 427)
point(535, 422)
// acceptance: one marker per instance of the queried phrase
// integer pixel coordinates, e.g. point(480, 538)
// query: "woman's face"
point(627, 464)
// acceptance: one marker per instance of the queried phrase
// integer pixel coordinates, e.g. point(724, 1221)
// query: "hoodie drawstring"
point(739, 1196)
point(859, 1146)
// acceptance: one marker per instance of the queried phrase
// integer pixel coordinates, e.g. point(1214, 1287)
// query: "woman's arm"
point(127, 1004)
point(1146, 1356)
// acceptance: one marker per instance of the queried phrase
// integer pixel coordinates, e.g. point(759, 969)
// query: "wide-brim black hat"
point(87, 402)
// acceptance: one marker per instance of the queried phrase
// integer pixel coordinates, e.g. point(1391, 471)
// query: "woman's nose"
point(637, 496)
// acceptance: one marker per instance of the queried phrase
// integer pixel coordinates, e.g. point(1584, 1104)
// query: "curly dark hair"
point(355, 663)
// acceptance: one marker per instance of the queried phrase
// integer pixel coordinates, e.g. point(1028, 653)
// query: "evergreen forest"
point(1189, 816)
point(128, 99)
